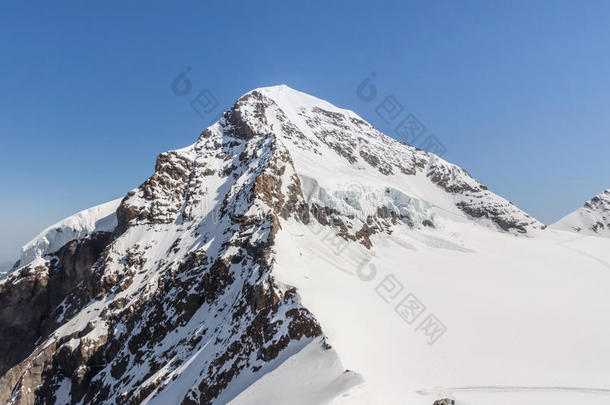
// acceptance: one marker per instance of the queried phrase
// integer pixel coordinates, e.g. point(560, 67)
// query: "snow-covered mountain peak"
point(188, 289)
point(592, 218)
point(337, 148)
point(286, 96)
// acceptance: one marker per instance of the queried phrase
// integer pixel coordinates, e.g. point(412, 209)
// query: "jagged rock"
point(29, 298)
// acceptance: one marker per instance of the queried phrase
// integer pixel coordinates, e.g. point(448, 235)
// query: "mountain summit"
point(593, 218)
point(244, 269)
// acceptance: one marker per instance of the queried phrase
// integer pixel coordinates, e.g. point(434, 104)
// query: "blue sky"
point(517, 92)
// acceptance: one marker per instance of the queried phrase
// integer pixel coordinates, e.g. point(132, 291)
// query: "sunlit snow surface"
point(518, 312)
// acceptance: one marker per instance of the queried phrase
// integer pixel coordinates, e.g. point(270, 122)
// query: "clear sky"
point(517, 92)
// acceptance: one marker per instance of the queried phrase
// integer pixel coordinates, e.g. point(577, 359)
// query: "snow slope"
point(518, 312)
point(294, 254)
point(100, 218)
point(592, 219)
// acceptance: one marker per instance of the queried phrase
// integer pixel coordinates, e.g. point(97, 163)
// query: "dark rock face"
point(494, 214)
point(29, 299)
point(453, 179)
point(241, 119)
point(37, 300)
point(164, 190)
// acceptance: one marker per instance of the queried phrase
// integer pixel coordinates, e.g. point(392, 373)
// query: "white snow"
point(518, 311)
point(99, 218)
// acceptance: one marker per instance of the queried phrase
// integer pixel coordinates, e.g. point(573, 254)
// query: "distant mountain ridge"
point(593, 218)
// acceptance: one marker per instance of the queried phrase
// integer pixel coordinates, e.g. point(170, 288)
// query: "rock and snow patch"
point(310, 376)
point(360, 201)
point(591, 219)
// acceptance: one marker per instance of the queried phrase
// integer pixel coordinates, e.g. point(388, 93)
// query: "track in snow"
point(563, 244)
point(516, 388)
